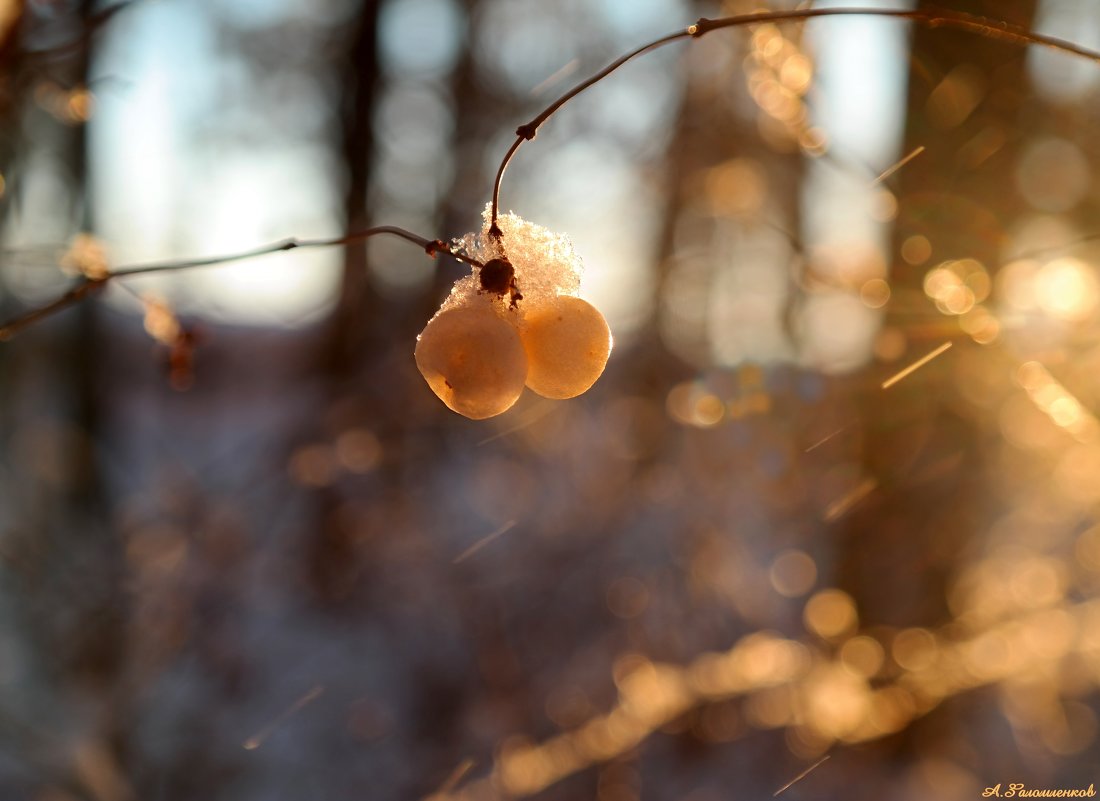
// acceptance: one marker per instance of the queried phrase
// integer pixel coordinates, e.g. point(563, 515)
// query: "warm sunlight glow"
point(1067, 289)
point(830, 613)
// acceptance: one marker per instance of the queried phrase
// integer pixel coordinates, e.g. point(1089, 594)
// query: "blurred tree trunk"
point(11, 101)
point(358, 310)
point(719, 125)
point(900, 545)
point(355, 340)
point(67, 568)
point(653, 365)
point(716, 127)
point(897, 548)
point(100, 636)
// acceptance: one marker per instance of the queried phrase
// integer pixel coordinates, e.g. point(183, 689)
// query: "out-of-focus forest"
point(831, 507)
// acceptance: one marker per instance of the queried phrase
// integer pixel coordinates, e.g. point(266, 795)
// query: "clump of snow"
point(546, 264)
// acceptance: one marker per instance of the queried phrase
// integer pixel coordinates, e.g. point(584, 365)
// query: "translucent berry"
point(567, 342)
point(473, 360)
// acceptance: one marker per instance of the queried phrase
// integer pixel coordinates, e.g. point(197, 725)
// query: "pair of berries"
point(506, 327)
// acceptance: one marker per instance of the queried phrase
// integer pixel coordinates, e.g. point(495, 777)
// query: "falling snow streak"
point(451, 782)
point(257, 739)
point(828, 437)
point(841, 506)
point(557, 77)
point(530, 417)
point(897, 166)
point(801, 776)
point(477, 546)
point(919, 363)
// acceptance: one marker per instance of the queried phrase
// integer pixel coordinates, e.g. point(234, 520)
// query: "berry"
point(473, 359)
point(567, 343)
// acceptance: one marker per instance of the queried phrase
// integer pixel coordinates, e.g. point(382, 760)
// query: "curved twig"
point(982, 26)
point(83, 288)
point(86, 286)
point(528, 131)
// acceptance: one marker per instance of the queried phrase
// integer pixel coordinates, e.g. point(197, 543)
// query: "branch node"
point(495, 232)
point(699, 28)
point(527, 131)
point(436, 246)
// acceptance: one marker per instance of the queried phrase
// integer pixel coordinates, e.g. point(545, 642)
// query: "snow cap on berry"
point(545, 263)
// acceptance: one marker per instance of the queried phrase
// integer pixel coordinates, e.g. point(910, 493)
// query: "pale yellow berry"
point(473, 360)
point(567, 342)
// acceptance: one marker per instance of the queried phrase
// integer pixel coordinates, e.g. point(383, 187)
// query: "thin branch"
point(87, 286)
point(81, 290)
point(932, 18)
point(431, 247)
point(982, 26)
point(528, 131)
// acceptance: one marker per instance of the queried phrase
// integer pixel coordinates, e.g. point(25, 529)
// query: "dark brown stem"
point(87, 286)
point(81, 290)
point(982, 26)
